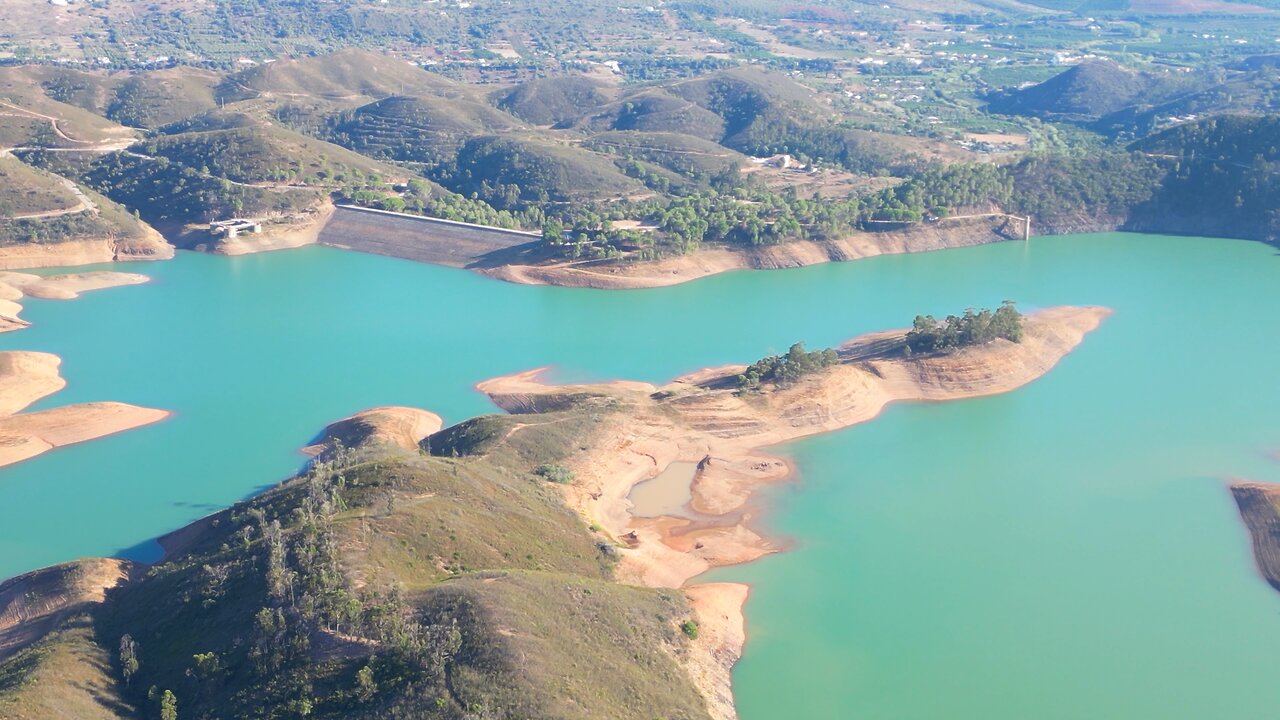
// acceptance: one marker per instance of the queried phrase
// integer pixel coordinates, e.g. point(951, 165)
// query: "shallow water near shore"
point(1068, 550)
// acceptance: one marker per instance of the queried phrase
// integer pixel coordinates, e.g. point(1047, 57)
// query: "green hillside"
point(154, 99)
point(38, 207)
point(252, 152)
point(426, 129)
point(385, 582)
point(1224, 176)
point(743, 95)
point(509, 171)
point(554, 100)
point(1088, 91)
point(656, 110)
point(169, 193)
point(686, 155)
point(1252, 92)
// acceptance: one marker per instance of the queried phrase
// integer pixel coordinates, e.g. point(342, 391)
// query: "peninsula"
point(26, 377)
point(375, 582)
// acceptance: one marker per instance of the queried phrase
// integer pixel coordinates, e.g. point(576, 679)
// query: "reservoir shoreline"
point(766, 591)
point(698, 417)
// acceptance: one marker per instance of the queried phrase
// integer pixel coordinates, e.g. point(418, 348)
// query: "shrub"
point(555, 473)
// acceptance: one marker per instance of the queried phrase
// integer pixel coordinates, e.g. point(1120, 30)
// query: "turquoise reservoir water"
point(1064, 551)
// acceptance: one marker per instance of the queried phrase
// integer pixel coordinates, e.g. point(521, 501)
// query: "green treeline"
point(974, 327)
point(788, 368)
point(1052, 189)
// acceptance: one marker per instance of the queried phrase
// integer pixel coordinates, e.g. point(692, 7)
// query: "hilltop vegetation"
point(251, 153)
point(148, 99)
point(509, 173)
point(429, 130)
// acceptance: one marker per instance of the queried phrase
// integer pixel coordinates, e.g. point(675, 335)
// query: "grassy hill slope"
point(684, 155)
point(146, 99)
point(343, 75)
point(24, 189)
point(38, 207)
point(387, 582)
point(29, 114)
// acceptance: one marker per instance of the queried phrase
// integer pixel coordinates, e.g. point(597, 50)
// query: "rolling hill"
point(347, 76)
point(244, 150)
point(553, 101)
point(424, 129)
point(508, 170)
point(1089, 91)
point(1251, 92)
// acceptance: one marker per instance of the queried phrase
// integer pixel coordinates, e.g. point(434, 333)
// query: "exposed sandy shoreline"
point(85, 252)
point(14, 286)
point(700, 418)
point(26, 377)
point(611, 275)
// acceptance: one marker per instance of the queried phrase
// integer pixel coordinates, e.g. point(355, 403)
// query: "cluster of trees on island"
point(927, 336)
point(974, 327)
point(786, 369)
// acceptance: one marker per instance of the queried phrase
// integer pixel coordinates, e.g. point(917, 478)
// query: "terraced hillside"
point(426, 129)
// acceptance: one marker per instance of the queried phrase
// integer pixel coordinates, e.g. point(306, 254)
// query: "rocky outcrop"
point(1260, 509)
